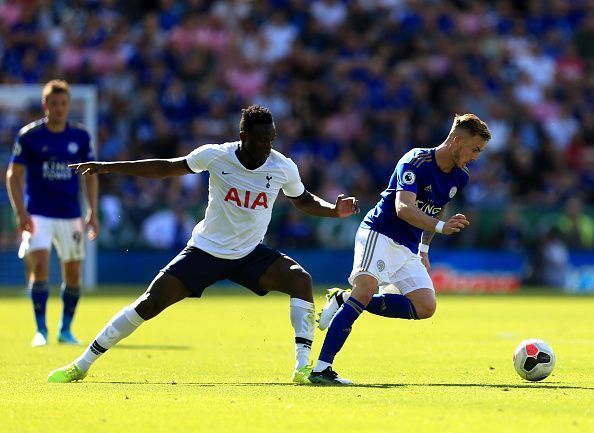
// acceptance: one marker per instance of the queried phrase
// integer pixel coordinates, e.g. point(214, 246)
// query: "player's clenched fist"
point(88, 168)
point(346, 206)
point(455, 224)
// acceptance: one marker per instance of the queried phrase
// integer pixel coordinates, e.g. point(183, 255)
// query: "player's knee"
point(302, 279)
point(72, 280)
point(39, 267)
point(300, 282)
point(71, 273)
point(148, 308)
point(364, 288)
point(425, 310)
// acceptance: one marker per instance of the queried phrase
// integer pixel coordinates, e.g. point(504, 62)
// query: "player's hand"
point(25, 222)
point(345, 207)
point(88, 168)
point(92, 226)
point(455, 224)
point(425, 261)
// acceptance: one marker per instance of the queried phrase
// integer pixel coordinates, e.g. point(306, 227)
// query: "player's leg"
point(69, 242)
point(164, 291)
point(364, 286)
point(35, 249)
point(287, 276)
point(70, 292)
point(38, 262)
point(416, 299)
point(424, 302)
point(418, 304)
point(373, 257)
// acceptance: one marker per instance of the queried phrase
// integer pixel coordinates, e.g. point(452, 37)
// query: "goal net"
point(20, 105)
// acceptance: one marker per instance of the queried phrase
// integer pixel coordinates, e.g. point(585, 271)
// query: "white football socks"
point(120, 326)
point(303, 321)
point(321, 366)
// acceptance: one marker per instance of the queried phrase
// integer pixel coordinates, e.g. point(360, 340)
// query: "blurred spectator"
point(296, 231)
point(352, 85)
point(584, 36)
point(551, 264)
point(511, 233)
point(8, 235)
point(168, 228)
point(576, 227)
point(329, 14)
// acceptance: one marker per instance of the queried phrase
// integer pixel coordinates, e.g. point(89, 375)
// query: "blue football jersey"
point(418, 172)
point(51, 188)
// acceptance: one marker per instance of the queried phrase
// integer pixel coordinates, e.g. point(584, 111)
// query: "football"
point(534, 359)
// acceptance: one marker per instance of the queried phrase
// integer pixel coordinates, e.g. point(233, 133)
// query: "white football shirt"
point(239, 200)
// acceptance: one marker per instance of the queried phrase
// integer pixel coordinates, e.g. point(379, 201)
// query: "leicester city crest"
point(72, 147)
point(381, 265)
point(453, 191)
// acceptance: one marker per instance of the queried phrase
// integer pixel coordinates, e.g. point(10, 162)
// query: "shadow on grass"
point(151, 347)
point(504, 387)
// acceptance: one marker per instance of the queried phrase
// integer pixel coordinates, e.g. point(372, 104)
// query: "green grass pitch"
point(223, 364)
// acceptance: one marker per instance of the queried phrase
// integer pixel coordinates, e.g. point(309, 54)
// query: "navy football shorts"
point(197, 269)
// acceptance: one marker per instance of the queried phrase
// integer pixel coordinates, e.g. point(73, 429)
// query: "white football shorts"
point(393, 265)
point(65, 233)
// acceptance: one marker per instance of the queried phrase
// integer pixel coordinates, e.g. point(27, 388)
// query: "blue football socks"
point(340, 328)
point(39, 295)
point(392, 305)
point(70, 296)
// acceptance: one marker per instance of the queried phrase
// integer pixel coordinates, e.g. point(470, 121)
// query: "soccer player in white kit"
point(245, 179)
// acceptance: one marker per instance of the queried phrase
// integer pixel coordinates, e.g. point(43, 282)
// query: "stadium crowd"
point(352, 85)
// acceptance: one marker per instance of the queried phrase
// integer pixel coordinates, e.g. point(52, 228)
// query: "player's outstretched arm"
point(153, 168)
point(407, 210)
point(314, 205)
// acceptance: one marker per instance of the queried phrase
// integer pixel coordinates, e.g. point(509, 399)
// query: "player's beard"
point(456, 157)
point(255, 159)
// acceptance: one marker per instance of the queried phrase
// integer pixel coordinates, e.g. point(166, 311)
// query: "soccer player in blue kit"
point(44, 196)
point(392, 243)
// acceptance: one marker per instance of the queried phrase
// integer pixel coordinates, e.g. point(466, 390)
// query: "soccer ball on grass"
point(534, 359)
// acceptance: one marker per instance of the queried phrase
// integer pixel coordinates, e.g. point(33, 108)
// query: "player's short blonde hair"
point(55, 86)
point(472, 124)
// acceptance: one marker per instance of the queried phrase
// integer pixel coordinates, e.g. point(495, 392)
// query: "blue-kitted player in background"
point(392, 243)
point(44, 194)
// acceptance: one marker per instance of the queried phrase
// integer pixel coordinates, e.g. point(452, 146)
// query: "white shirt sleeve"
point(293, 187)
point(200, 158)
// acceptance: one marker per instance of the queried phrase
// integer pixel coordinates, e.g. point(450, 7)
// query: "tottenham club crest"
point(408, 177)
point(72, 147)
point(381, 265)
point(453, 191)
